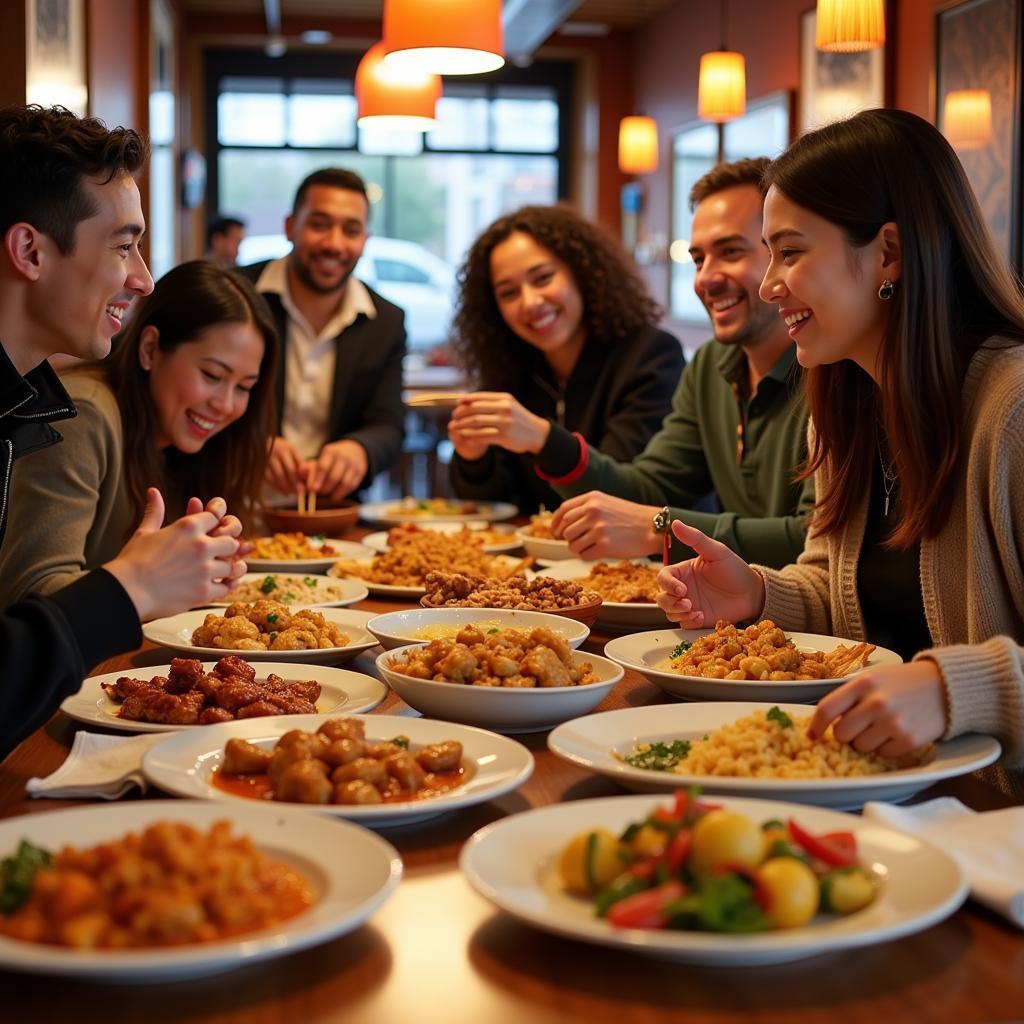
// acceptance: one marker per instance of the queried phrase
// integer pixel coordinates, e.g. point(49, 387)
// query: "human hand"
point(717, 584)
point(230, 526)
point(465, 447)
point(890, 710)
point(495, 417)
point(596, 525)
point(339, 470)
point(286, 468)
point(168, 570)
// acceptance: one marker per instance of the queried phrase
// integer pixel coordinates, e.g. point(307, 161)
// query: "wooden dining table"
point(438, 952)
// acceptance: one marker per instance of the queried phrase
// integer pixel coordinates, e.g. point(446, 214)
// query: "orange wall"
point(118, 59)
point(768, 34)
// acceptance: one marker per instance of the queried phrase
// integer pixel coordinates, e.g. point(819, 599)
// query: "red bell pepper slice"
point(678, 850)
point(836, 849)
point(646, 909)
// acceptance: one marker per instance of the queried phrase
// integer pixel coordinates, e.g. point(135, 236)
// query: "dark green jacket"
point(695, 452)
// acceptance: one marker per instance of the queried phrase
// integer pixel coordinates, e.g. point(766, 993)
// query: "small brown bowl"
point(328, 521)
point(585, 613)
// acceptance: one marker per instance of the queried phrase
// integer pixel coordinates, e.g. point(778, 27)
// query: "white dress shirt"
point(310, 358)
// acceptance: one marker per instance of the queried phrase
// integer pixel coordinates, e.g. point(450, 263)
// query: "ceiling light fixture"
point(850, 26)
point(722, 83)
point(392, 98)
point(638, 145)
point(444, 37)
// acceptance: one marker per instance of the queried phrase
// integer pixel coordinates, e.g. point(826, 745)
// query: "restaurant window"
point(501, 142)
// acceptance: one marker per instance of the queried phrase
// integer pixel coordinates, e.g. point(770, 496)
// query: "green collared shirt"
point(746, 450)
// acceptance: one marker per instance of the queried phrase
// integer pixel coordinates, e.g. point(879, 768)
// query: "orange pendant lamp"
point(444, 37)
point(638, 145)
point(849, 26)
point(722, 84)
point(393, 98)
point(967, 118)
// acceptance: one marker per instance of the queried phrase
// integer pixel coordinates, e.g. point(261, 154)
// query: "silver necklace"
point(888, 478)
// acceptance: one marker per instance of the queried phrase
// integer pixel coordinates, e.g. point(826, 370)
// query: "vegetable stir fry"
point(699, 866)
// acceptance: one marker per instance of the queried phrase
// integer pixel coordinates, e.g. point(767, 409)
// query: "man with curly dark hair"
point(738, 423)
point(557, 330)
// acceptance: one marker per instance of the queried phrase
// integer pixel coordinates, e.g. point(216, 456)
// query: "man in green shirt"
point(738, 424)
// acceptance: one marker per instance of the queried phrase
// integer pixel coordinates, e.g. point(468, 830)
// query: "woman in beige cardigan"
point(910, 326)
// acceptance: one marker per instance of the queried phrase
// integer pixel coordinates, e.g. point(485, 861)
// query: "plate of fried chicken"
point(189, 693)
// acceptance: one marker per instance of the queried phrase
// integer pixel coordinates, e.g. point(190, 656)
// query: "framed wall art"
point(978, 59)
point(836, 85)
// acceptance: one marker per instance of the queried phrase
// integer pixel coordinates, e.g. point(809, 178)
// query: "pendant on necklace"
point(886, 510)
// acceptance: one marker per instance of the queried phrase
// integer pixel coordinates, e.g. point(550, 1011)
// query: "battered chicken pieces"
point(542, 593)
point(512, 658)
point(268, 626)
point(189, 696)
point(624, 582)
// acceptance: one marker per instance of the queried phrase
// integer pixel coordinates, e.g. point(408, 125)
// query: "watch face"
point(662, 520)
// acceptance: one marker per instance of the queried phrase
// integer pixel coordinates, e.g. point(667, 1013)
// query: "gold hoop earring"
point(887, 290)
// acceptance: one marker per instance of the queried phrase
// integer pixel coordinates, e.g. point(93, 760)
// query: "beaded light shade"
point(849, 26)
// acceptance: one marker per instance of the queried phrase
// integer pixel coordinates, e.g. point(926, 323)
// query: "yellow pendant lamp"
point(849, 26)
point(444, 37)
point(638, 145)
point(722, 83)
point(393, 98)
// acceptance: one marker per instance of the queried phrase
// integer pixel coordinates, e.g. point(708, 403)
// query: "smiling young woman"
point(556, 329)
point(184, 403)
point(911, 327)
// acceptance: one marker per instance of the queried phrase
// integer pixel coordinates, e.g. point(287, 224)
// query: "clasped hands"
point(338, 470)
point(890, 709)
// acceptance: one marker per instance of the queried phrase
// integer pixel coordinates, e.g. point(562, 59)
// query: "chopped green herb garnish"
point(659, 757)
point(310, 581)
point(318, 538)
point(287, 596)
point(268, 584)
point(778, 715)
point(272, 618)
point(491, 632)
point(273, 637)
point(680, 649)
point(401, 741)
point(17, 874)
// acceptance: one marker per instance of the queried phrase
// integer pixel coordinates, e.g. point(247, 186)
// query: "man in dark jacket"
point(339, 385)
point(71, 220)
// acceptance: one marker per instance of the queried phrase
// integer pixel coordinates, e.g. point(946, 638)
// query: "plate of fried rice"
point(749, 749)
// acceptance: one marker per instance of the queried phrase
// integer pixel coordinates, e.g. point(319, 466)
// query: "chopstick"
point(306, 502)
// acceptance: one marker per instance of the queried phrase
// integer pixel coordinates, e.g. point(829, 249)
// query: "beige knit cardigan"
point(972, 572)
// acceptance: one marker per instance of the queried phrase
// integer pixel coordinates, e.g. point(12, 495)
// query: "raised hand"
point(286, 468)
point(339, 470)
point(892, 709)
point(495, 417)
point(717, 584)
point(596, 525)
point(169, 570)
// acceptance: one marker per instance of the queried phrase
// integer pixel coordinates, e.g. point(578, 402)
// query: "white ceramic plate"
point(613, 614)
point(340, 548)
point(397, 629)
point(551, 549)
point(643, 652)
point(503, 709)
point(352, 871)
point(593, 741)
point(513, 863)
point(183, 764)
point(392, 590)
point(175, 632)
point(388, 513)
point(341, 691)
point(379, 541)
point(351, 590)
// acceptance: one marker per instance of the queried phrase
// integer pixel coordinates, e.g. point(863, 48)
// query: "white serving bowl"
point(503, 709)
point(551, 548)
point(397, 629)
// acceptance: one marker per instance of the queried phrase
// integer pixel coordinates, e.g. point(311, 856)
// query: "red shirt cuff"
point(576, 472)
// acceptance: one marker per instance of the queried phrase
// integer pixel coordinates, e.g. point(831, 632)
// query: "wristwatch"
point(662, 523)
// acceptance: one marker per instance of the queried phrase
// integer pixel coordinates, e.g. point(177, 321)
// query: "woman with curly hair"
point(184, 403)
point(557, 330)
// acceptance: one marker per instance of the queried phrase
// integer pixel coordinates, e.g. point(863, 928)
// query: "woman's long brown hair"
point(616, 303)
point(186, 301)
point(955, 291)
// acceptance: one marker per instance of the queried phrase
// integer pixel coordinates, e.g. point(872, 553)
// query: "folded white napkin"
point(98, 766)
point(988, 846)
